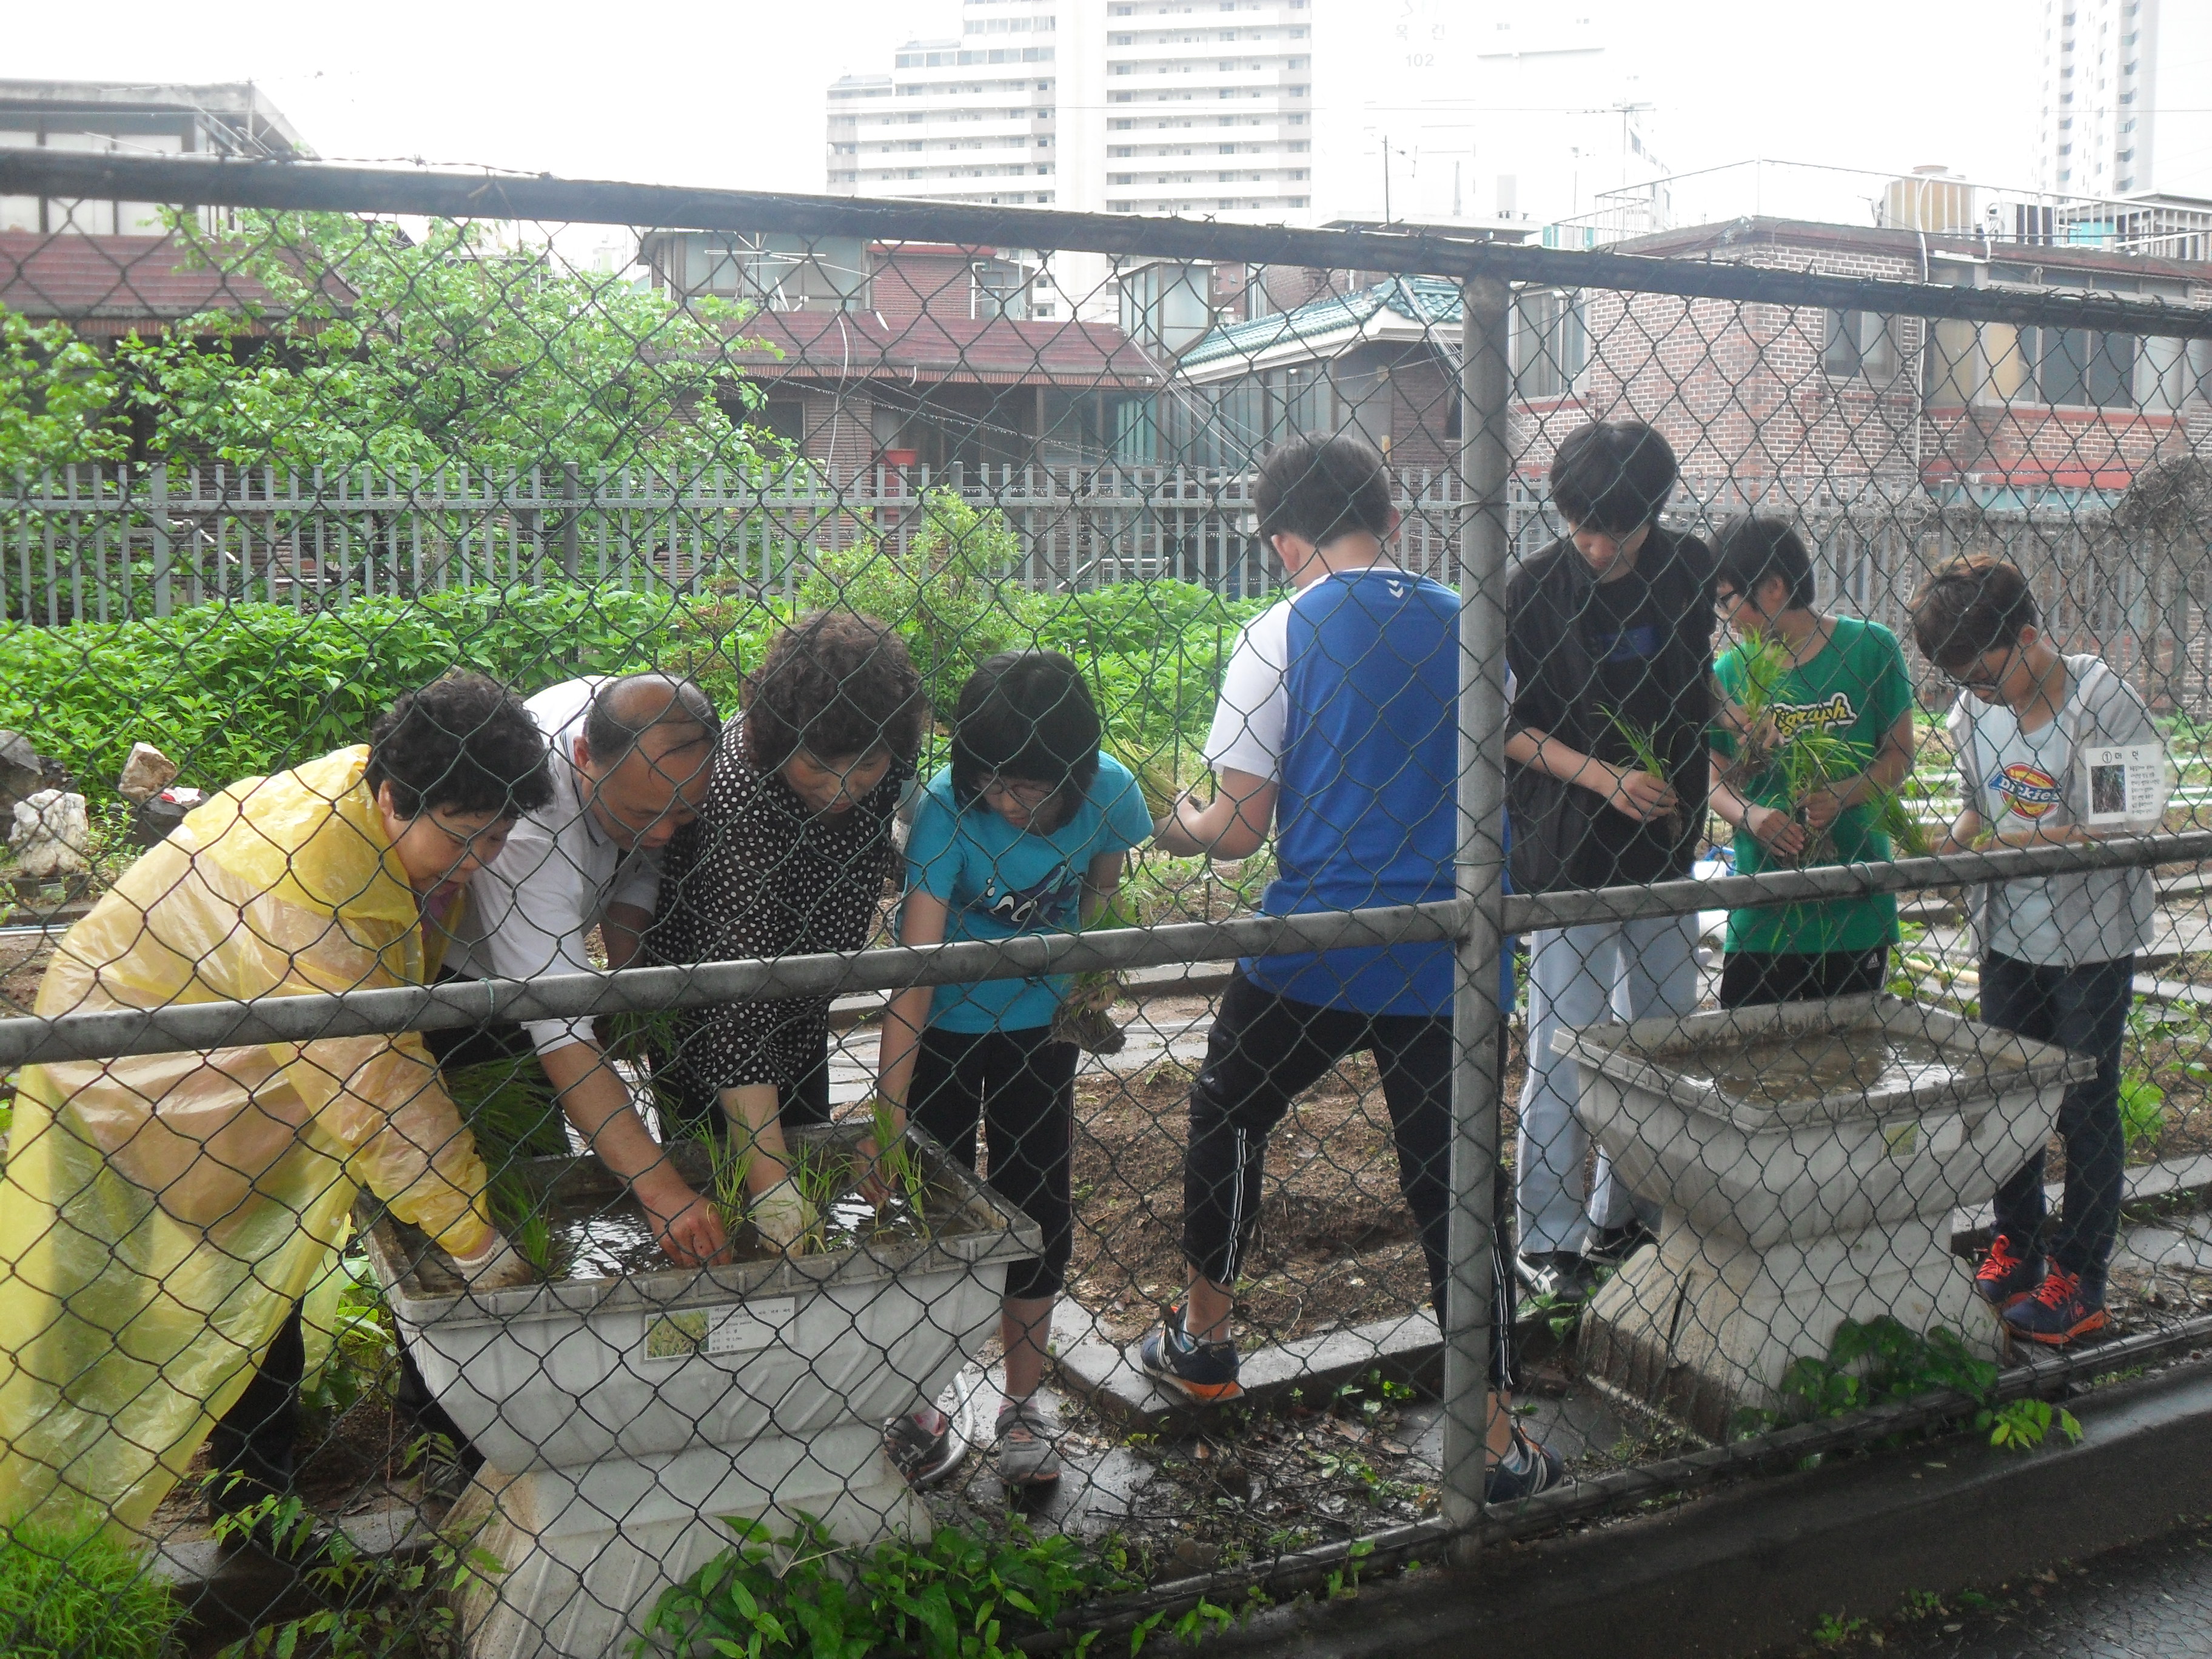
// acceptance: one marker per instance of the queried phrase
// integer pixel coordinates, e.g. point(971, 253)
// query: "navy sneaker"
point(1527, 1469)
point(2057, 1312)
point(2005, 1274)
point(1204, 1371)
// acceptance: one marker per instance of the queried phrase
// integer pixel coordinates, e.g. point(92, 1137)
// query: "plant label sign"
point(738, 1328)
point(2124, 786)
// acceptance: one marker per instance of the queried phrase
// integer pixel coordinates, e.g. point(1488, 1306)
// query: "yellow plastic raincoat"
point(161, 1214)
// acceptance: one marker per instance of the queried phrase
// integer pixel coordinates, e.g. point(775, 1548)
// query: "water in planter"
point(1782, 1070)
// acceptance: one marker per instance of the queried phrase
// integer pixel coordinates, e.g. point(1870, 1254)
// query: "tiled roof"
point(1420, 303)
point(112, 284)
point(827, 345)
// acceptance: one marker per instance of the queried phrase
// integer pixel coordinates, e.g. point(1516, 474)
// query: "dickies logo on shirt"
point(2029, 791)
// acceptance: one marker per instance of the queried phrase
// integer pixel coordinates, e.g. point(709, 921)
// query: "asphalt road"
point(2151, 1601)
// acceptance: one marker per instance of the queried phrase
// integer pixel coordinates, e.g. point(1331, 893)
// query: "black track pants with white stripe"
point(1264, 1051)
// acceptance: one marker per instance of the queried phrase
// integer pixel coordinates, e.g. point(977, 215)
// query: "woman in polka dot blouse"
point(790, 856)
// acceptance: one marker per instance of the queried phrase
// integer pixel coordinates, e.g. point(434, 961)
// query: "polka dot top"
point(759, 875)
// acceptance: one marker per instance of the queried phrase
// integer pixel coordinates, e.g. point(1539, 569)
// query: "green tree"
point(59, 403)
point(375, 346)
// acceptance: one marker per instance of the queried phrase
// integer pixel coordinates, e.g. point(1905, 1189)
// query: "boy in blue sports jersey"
point(1337, 728)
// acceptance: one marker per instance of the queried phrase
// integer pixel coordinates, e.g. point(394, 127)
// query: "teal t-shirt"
point(1857, 689)
point(997, 881)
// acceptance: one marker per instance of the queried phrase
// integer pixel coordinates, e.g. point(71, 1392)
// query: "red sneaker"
point(2005, 1276)
point(2057, 1313)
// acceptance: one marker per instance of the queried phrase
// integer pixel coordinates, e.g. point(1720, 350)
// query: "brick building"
point(911, 354)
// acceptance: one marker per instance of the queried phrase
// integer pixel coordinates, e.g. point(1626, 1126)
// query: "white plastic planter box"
point(1784, 1217)
point(620, 1418)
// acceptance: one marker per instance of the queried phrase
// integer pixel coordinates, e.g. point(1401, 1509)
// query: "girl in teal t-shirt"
point(1024, 833)
point(1845, 677)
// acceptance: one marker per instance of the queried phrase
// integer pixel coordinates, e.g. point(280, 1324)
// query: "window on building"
point(1551, 343)
point(1860, 344)
point(2081, 367)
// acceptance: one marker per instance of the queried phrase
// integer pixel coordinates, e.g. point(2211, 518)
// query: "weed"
point(2142, 1110)
point(1868, 1362)
point(74, 1590)
point(1834, 1629)
point(2023, 1424)
point(363, 1341)
point(371, 1607)
point(804, 1593)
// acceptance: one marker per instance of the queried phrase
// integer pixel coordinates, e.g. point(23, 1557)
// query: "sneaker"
point(1611, 1246)
point(1527, 1469)
point(1026, 1457)
point(1564, 1276)
point(1204, 1371)
point(2056, 1312)
point(924, 1446)
point(2005, 1274)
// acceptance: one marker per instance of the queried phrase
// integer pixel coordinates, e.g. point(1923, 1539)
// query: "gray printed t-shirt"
point(2027, 780)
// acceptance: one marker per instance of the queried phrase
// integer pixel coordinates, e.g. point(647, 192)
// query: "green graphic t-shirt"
point(1857, 689)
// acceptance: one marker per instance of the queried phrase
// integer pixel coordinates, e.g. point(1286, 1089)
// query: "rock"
point(52, 836)
point(154, 818)
point(22, 768)
point(146, 774)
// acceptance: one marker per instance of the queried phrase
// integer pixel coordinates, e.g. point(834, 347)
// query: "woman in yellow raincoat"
point(161, 1216)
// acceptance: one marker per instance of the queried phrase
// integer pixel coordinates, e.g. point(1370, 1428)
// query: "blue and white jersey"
point(1345, 696)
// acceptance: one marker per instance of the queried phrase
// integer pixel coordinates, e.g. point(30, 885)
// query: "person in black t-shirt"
point(1608, 631)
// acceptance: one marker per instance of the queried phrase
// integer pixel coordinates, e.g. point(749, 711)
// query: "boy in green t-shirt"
point(1825, 677)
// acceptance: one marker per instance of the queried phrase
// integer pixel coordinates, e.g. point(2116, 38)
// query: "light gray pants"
point(1581, 976)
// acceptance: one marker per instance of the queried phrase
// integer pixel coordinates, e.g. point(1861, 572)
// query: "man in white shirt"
point(632, 758)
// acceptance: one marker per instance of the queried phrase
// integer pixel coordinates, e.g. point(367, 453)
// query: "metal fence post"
point(157, 518)
point(1485, 444)
point(571, 475)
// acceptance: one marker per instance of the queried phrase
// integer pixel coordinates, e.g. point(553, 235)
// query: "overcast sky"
point(733, 94)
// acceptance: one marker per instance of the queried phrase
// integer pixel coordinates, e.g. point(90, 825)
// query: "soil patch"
point(1335, 1244)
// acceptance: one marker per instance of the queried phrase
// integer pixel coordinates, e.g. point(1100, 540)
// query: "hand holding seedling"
point(1644, 797)
point(1777, 831)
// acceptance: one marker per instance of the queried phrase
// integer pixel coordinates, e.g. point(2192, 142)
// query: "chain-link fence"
point(812, 938)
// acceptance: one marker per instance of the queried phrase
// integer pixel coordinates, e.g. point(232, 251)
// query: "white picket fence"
point(98, 544)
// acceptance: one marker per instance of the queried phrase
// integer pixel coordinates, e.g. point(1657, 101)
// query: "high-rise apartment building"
point(2125, 109)
point(1192, 106)
point(968, 120)
point(1210, 108)
point(1276, 111)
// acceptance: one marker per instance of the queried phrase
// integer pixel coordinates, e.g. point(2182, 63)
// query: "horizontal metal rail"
point(1529, 912)
point(112, 1034)
point(202, 1025)
point(318, 187)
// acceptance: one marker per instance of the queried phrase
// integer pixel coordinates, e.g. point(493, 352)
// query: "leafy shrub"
point(234, 691)
point(77, 1594)
point(806, 1595)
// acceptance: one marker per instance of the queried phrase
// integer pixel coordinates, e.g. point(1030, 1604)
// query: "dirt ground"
point(1335, 1244)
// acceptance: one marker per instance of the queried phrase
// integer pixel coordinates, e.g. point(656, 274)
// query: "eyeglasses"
point(1982, 682)
point(1027, 791)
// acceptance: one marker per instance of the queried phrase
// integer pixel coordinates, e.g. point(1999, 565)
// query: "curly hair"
point(462, 743)
point(835, 683)
point(1026, 715)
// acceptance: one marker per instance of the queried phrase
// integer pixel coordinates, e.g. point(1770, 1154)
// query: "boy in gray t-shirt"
point(2058, 952)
